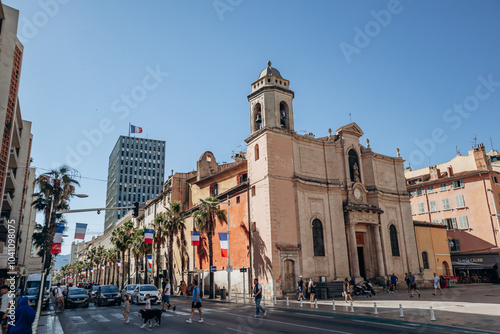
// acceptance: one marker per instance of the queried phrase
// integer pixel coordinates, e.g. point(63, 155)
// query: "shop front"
point(476, 268)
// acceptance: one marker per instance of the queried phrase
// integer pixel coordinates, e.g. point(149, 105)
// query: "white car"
point(140, 292)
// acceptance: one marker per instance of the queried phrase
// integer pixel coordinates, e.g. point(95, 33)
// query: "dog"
point(149, 316)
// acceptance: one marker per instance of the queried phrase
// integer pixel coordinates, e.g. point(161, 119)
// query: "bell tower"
point(271, 101)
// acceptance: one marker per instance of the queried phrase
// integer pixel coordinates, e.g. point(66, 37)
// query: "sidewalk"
point(49, 324)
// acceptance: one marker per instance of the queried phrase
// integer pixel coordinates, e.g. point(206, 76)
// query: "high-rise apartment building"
point(135, 174)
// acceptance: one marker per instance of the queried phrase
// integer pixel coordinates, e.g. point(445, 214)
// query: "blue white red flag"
point(150, 260)
point(119, 263)
point(148, 236)
point(80, 231)
point(223, 244)
point(195, 238)
point(135, 129)
point(57, 242)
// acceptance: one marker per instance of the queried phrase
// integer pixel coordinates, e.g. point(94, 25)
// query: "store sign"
point(471, 260)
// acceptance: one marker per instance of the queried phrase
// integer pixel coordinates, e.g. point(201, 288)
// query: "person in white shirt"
point(6, 300)
point(437, 285)
point(147, 306)
point(58, 294)
point(165, 298)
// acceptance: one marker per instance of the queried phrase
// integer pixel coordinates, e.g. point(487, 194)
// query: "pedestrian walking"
point(300, 285)
point(347, 290)
point(147, 307)
point(413, 285)
point(196, 304)
point(24, 315)
point(437, 285)
point(165, 298)
point(407, 280)
point(394, 283)
point(184, 288)
point(4, 307)
point(58, 294)
point(312, 290)
point(257, 294)
point(126, 308)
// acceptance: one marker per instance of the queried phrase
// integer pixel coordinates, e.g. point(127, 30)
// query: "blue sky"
point(421, 76)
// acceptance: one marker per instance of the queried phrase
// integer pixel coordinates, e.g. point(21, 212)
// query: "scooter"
point(366, 289)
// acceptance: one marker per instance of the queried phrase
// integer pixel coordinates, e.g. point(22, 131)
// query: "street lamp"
point(81, 195)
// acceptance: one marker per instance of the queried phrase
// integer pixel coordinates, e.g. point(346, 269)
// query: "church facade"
point(326, 208)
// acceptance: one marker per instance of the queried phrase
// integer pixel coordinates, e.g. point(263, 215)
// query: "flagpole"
point(228, 256)
point(129, 129)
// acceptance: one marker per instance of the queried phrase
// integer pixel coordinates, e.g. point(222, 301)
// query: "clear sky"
point(421, 76)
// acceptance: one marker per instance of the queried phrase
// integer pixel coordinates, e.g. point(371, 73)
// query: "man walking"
point(300, 285)
point(165, 298)
point(407, 280)
point(58, 294)
point(257, 294)
point(437, 285)
point(413, 285)
point(196, 304)
point(394, 283)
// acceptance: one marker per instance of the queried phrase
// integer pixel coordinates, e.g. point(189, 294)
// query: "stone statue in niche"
point(356, 172)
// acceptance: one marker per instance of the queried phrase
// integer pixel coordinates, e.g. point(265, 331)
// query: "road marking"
point(118, 316)
point(167, 315)
point(146, 328)
point(290, 324)
point(78, 320)
point(239, 331)
point(385, 324)
point(100, 318)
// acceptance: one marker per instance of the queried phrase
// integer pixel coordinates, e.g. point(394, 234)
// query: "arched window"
point(256, 148)
point(319, 246)
point(283, 114)
point(394, 240)
point(425, 260)
point(354, 170)
point(258, 116)
point(214, 190)
point(446, 268)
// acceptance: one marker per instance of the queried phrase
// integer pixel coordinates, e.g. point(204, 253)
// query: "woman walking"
point(126, 308)
point(347, 289)
point(312, 290)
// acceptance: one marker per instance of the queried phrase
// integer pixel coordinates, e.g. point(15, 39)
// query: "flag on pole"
point(195, 238)
point(223, 243)
point(83, 272)
point(135, 129)
point(150, 260)
point(102, 267)
point(148, 236)
point(80, 231)
point(119, 262)
point(92, 270)
point(57, 242)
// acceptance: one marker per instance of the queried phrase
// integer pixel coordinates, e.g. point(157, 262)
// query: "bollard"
point(375, 308)
point(432, 315)
point(352, 307)
point(274, 300)
point(236, 298)
point(333, 304)
point(315, 303)
point(300, 302)
point(401, 311)
point(287, 302)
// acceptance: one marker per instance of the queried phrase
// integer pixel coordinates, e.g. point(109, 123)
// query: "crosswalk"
point(92, 318)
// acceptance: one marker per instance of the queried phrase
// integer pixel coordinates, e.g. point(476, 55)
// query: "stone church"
point(326, 208)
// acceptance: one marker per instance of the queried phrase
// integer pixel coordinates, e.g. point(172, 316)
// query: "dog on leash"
point(149, 315)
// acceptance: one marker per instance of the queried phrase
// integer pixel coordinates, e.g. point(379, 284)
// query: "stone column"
point(378, 249)
point(353, 251)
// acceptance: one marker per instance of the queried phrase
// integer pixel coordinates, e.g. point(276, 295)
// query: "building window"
point(242, 178)
point(258, 116)
point(463, 223)
point(433, 206)
point(283, 114)
point(394, 240)
point(457, 184)
point(253, 191)
point(421, 208)
point(454, 245)
point(443, 187)
point(319, 246)
point(450, 223)
point(257, 155)
point(446, 204)
point(435, 221)
point(354, 166)
point(420, 191)
point(460, 201)
point(237, 199)
point(430, 189)
point(214, 190)
point(495, 179)
point(425, 260)
point(412, 193)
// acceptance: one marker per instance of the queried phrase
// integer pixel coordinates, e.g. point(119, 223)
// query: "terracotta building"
point(463, 195)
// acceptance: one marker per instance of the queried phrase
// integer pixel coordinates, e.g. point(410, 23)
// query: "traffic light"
point(136, 210)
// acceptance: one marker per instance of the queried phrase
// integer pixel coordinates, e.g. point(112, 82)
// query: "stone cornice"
point(271, 88)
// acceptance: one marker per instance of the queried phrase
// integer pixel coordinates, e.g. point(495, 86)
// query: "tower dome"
point(269, 71)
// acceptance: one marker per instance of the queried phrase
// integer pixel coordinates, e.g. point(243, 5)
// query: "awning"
point(466, 265)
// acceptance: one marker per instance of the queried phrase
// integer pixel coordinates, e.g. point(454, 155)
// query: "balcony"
point(7, 202)
point(16, 136)
point(3, 225)
point(10, 180)
point(14, 158)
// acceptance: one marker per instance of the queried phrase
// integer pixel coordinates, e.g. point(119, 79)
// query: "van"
point(33, 281)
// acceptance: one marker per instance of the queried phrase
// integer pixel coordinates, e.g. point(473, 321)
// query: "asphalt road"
point(230, 318)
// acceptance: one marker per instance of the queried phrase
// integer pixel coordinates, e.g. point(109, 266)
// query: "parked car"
point(92, 293)
point(140, 292)
point(107, 295)
point(76, 297)
point(32, 295)
point(128, 290)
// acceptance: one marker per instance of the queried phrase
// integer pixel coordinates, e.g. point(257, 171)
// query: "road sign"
point(213, 269)
point(243, 270)
point(229, 269)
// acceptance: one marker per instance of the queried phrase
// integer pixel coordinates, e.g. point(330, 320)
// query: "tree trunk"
point(146, 268)
point(171, 259)
point(136, 269)
point(128, 266)
point(157, 280)
point(113, 279)
point(211, 260)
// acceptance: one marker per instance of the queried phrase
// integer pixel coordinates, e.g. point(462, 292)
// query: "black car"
point(32, 294)
point(93, 293)
point(76, 297)
point(108, 295)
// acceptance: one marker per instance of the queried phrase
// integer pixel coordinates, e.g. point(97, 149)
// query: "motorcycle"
point(364, 289)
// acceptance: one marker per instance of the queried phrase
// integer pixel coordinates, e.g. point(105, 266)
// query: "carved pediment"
point(351, 128)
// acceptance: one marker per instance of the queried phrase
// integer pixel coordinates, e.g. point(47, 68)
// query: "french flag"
point(57, 242)
point(148, 236)
point(80, 231)
point(150, 260)
point(223, 244)
point(195, 238)
point(135, 129)
point(102, 267)
point(119, 263)
point(91, 270)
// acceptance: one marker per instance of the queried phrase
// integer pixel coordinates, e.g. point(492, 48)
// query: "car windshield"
point(131, 287)
point(77, 292)
point(32, 291)
point(148, 288)
point(109, 289)
point(94, 288)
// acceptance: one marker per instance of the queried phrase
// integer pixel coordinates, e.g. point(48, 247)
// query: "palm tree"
point(138, 249)
point(113, 256)
point(205, 218)
point(127, 230)
point(174, 222)
point(159, 239)
point(100, 261)
point(55, 189)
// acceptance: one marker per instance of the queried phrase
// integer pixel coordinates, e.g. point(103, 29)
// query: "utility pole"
point(229, 269)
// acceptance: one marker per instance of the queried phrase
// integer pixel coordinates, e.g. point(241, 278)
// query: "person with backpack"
point(300, 285)
point(257, 294)
point(196, 304)
point(58, 295)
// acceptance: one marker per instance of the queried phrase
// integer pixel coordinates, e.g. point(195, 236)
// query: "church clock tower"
point(271, 101)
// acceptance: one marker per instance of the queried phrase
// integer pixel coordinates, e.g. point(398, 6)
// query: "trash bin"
point(223, 294)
